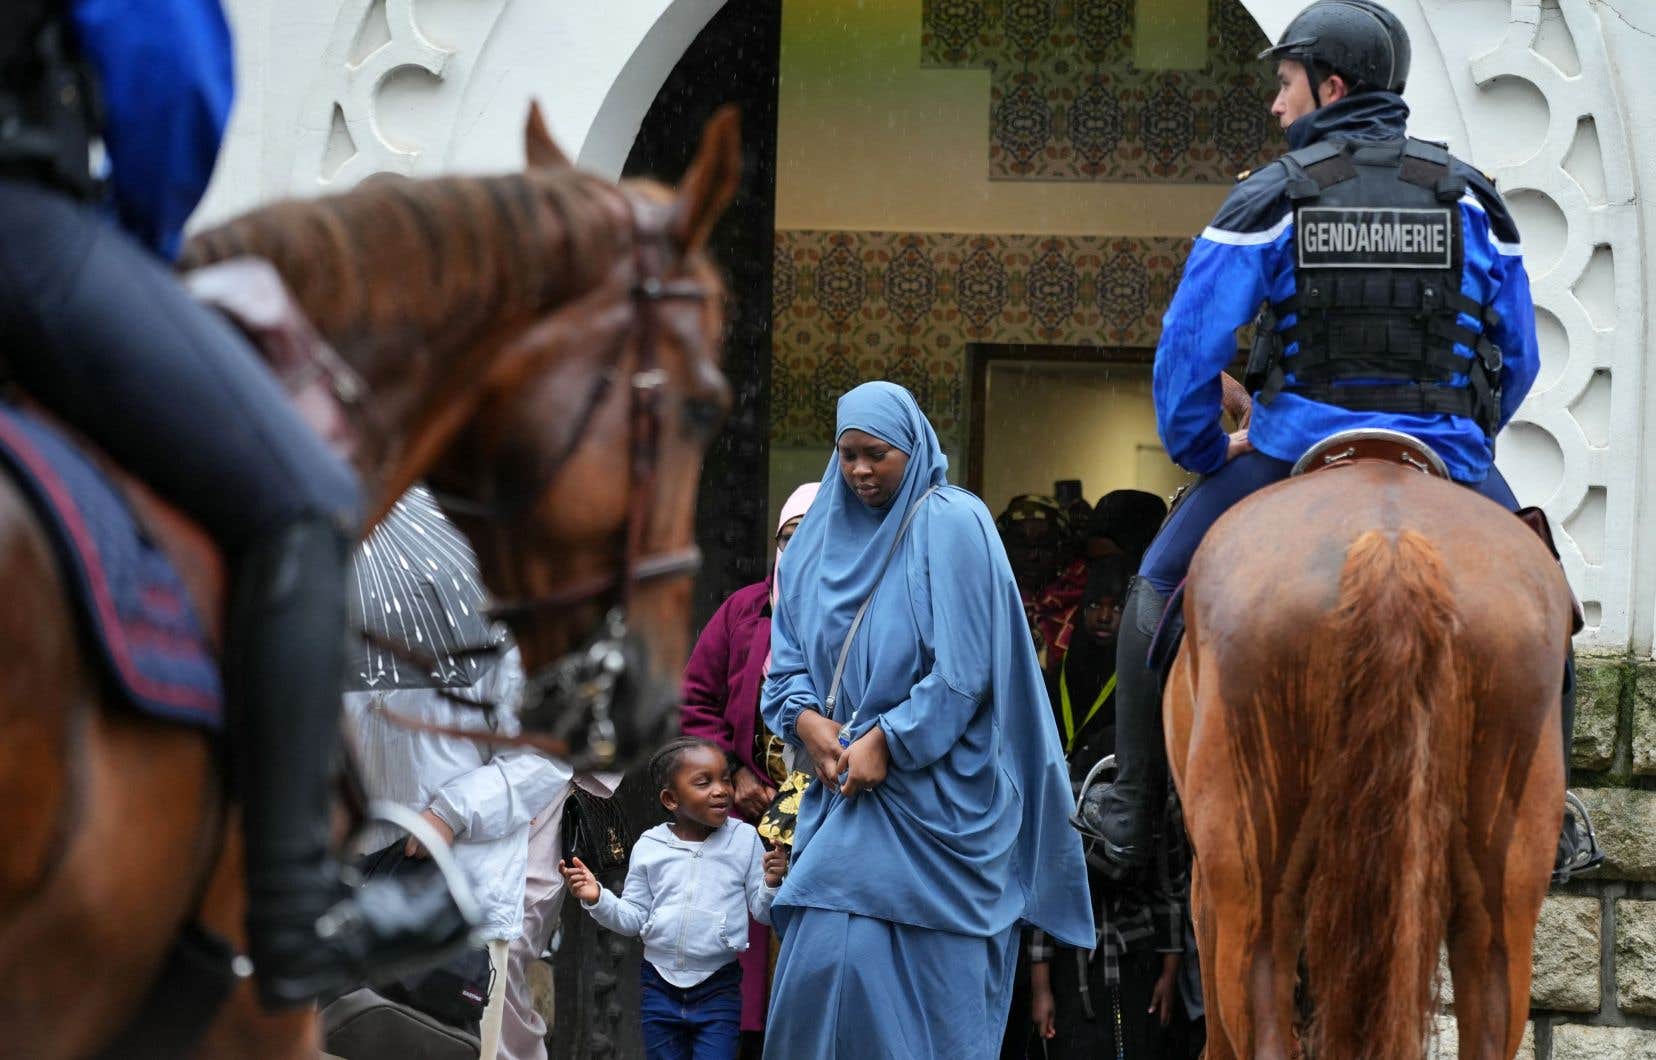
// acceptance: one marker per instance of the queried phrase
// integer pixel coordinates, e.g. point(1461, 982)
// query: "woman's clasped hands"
point(821, 739)
point(846, 770)
point(864, 763)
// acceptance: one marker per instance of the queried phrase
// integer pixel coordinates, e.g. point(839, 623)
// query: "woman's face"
point(871, 466)
point(784, 535)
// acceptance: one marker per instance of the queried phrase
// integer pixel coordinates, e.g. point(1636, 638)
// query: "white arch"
point(615, 126)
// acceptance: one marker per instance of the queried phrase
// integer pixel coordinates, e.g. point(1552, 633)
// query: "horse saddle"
point(146, 584)
point(1346, 448)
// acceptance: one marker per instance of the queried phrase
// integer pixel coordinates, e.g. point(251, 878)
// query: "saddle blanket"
point(130, 601)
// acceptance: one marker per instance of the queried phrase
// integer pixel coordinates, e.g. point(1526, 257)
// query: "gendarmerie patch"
point(1364, 237)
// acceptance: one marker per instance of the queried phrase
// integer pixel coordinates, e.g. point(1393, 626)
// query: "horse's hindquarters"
point(107, 815)
point(1364, 724)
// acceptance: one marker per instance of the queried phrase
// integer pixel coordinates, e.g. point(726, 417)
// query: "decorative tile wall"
point(1067, 103)
point(853, 306)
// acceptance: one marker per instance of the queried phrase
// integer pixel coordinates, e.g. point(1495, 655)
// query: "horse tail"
point(1377, 900)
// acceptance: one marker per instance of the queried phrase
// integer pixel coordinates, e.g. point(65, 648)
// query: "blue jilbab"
point(900, 914)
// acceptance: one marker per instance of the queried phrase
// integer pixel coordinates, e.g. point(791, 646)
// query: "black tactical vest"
point(1378, 252)
point(49, 113)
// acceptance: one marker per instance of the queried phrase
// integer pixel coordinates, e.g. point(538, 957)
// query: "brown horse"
point(1363, 726)
point(486, 318)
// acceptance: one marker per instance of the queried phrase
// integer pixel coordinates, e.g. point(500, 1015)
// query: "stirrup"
point(1076, 820)
point(1587, 855)
point(1101, 853)
point(442, 856)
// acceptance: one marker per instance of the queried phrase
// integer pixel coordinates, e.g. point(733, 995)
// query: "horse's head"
point(576, 477)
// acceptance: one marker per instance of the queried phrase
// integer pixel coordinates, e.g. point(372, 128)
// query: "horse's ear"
point(710, 182)
point(538, 147)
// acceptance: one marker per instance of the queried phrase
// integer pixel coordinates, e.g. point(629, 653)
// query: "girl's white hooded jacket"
point(690, 902)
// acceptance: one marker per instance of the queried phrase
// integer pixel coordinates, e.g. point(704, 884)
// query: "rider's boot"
point(308, 932)
point(1122, 815)
point(1578, 849)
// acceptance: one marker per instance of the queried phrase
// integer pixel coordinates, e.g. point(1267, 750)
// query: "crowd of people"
point(911, 704)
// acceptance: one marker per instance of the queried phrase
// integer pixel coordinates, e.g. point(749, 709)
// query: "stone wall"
point(1594, 993)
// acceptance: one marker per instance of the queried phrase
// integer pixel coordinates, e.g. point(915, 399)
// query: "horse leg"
point(1219, 1045)
point(1500, 877)
point(1248, 939)
point(1178, 718)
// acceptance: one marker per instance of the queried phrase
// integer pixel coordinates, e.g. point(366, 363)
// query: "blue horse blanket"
point(131, 602)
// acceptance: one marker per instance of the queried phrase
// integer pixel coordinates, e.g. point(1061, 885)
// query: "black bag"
point(594, 830)
point(362, 1025)
point(455, 992)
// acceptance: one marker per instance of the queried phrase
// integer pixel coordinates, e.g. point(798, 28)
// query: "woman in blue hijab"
point(937, 822)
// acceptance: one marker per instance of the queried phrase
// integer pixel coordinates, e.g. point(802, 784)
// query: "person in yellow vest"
point(1118, 998)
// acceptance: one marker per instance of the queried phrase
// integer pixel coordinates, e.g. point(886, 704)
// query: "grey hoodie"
point(690, 901)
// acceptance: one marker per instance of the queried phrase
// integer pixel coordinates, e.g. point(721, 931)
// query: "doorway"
point(1041, 415)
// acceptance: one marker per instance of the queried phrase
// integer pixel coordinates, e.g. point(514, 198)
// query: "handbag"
point(594, 830)
point(777, 823)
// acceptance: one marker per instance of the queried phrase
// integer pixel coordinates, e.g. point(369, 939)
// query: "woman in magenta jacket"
point(720, 702)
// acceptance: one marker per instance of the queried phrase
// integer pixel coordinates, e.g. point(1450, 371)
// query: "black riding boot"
point(1578, 849)
point(1122, 816)
point(309, 933)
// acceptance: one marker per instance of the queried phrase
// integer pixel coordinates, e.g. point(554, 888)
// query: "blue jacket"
point(166, 74)
point(1247, 255)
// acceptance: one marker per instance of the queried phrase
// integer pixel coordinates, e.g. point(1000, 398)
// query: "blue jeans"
point(1168, 557)
point(701, 1022)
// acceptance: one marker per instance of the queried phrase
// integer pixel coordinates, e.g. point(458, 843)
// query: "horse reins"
point(592, 672)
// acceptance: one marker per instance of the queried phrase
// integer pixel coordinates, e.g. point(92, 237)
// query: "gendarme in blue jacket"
point(166, 74)
point(1247, 255)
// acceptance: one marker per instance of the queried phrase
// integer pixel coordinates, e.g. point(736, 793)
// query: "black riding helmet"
point(1358, 39)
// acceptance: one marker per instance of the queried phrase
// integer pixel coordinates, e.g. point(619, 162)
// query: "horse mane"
point(427, 265)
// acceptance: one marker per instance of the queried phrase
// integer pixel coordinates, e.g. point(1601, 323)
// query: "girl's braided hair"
point(665, 762)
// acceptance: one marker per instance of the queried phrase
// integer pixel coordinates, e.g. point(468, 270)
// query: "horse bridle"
point(582, 684)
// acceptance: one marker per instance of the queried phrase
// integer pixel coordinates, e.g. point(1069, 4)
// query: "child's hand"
point(1042, 1008)
point(1042, 1014)
point(776, 866)
point(580, 881)
point(1162, 994)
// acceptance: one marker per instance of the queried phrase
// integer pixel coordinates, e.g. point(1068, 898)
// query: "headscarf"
point(1034, 506)
point(1130, 518)
point(797, 504)
point(836, 555)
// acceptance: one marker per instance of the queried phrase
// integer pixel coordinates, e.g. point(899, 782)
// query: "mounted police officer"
point(1395, 297)
point(94, 326)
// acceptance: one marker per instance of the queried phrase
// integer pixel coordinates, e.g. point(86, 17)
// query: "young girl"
point(692, 883)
